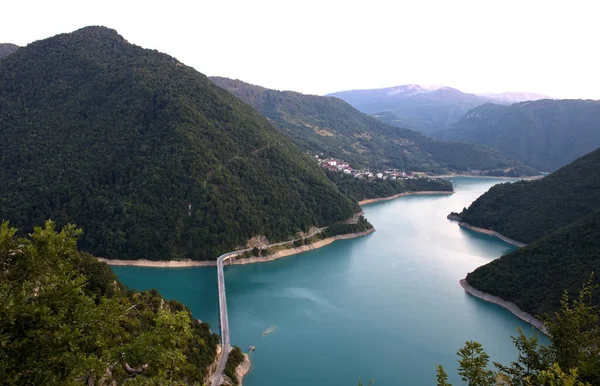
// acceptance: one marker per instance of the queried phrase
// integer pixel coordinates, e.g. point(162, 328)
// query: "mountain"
point(426, 109)
point(545, 134)
point(535, 276)
point(528, 210)
point(507, 98)
point(7, 49)
point(327, 125)
point(146, 154)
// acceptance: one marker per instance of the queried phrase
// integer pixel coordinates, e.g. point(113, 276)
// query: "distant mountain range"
point(331, 126)
point(544, 134)
point(7, 49)
point(559, 216)
point(428, 109)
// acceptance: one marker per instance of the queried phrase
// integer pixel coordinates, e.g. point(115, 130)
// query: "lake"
point(387, 306)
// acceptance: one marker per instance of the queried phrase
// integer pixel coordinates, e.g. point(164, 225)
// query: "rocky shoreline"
point(512, 307)
point(372, 200)
point(242, 261)
point(491, 233)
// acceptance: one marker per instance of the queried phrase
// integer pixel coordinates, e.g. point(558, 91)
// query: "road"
point(217, 377)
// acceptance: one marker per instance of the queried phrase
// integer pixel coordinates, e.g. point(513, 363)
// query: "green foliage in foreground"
point(534, 277)
point(118, 139)
point(66, 320)
point(235, 358)
point(327, 125)
point(572, 358)
point(528, 210)
point(343, 228)
point(362, 189)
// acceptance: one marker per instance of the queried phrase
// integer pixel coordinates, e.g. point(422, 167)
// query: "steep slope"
point(535, 276)
point(120, 140)
point(545, 134)
point(426, 109)
point(528, 210)
point(7, 49)
point(331, 126)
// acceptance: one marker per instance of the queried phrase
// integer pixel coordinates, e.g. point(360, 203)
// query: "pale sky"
point(317, 47)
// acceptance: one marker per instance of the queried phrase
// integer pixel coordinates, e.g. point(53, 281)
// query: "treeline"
point(535, 276)
point(121, 140)
point(528, 210)
point(362, 188)
point(65, 319)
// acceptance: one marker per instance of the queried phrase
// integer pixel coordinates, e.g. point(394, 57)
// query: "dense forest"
point(330, 126)
point(65, 319)
point(545, 134)
point(534, 277)
point(528, 210)
point(121, 140)
point(361, 189)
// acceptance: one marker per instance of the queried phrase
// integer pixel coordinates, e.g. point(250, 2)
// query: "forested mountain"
point(65, 319)
point(528, 210)
point(544, 134)
point(120, 140)
point(331, 126)
point(535, 276)
point(426, 109)
point(7, 49)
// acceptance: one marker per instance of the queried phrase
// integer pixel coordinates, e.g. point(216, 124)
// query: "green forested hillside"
point(544, 134)
point(331, 126)
point(534, 277)
point(362, 189)
point(65, 319)
point(7, 49)
point(119, 139)
point(528, 210)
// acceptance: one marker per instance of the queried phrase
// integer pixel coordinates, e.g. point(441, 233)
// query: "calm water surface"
point(387, 306)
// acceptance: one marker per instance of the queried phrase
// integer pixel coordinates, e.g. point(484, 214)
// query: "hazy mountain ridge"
point(514, 97)
point(329, 125)
point(544, 134)
point(7, 49)
point(121, 140)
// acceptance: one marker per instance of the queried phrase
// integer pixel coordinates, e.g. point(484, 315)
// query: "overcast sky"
point(548, 47)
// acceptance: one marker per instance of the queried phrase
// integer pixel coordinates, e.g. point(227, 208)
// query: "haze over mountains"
point(544, 134)
point(7, 49)
point(428, 109)
point(329, 125)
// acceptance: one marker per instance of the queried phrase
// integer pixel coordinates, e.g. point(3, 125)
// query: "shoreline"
point(424, 192)
point(510, 306)
point(492, 233)
point(275, 256)
point(528, 178)
point(242, 369)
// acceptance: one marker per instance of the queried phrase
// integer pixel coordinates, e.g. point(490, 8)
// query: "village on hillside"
point(341, 166)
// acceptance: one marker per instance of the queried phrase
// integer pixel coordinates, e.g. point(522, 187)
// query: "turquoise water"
point(387, 306)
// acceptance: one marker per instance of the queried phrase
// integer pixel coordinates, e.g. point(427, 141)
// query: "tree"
point(574, 345)
point(473, 365)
